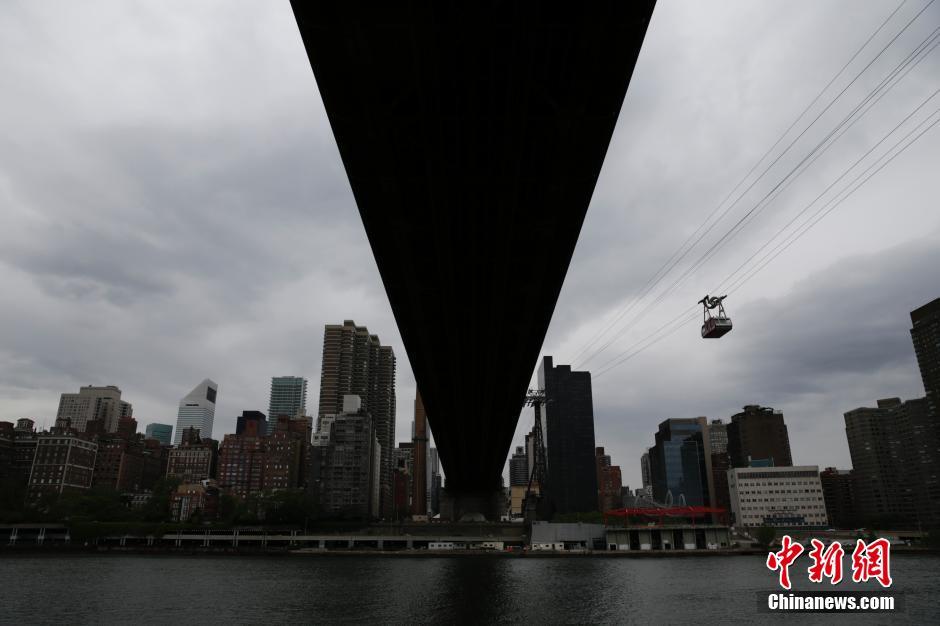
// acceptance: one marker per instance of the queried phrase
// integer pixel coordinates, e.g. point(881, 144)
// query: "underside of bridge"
point(473, 134)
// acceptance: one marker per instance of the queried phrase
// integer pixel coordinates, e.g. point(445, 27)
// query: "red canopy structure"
point(690, 512)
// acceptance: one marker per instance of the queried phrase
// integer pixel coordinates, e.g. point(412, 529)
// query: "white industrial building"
point(777, 496)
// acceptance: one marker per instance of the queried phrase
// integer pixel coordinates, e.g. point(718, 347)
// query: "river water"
point(123, 589)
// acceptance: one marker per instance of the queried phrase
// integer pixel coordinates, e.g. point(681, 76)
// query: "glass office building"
point(679, 462)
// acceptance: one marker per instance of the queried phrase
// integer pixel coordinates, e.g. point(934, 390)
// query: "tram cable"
point(673, 261)
point(786, 226)
point(885, 85)
point(684, 318)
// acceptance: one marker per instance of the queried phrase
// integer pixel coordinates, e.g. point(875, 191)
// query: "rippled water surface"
point(326, 589)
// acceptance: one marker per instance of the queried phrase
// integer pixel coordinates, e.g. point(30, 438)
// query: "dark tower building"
point(419, 441)
point(721, 462)
point(569, 438)
point(839, 492)
point(355, 363)
point(926, 337)
point(758, 433)
point(680, 462)
point(894, 462)
point(646, 472)
point(925, 333)
point(920, 456)
point(261, 423)
point(879, 443)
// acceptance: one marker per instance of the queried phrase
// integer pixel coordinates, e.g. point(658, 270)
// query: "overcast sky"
point(173, 207)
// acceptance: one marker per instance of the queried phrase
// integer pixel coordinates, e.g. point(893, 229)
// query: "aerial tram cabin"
point(714, 326)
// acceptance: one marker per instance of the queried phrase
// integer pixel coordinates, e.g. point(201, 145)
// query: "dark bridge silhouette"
point(473, 134)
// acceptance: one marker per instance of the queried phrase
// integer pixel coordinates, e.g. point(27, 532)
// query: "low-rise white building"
point(777, 496)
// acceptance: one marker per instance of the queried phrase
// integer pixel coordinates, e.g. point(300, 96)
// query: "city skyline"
point(156, 321)
point(929, 306)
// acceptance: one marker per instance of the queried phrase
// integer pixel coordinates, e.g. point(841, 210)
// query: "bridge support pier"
point(471, 506)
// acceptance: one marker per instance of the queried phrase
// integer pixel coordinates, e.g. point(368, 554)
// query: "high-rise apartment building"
point(609, 482)
point(925, 426)
point(718, 437)
point(103, 404)
point(569, 438)
point(345, 463)
point(758, 433)
point(518, 480)
point(721, 462)
point(921, 458)
point(530, 450)
point(64, 461)
point(195, 459)
point(356, 363)
point(925, 333)
point(891, 466)
point(288, 397)
point(126, 463)
point(241, 459)
point(285, 454)
point(197, 410)
point(403, 461)
point(434, 482)
point(680, 462)
point(161, 432)
point(519, 468)
point(252, 462)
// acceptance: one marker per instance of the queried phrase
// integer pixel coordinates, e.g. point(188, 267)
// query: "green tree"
point(98, 504)
point(157, 508)
point(288, 507)
point(230, 509)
